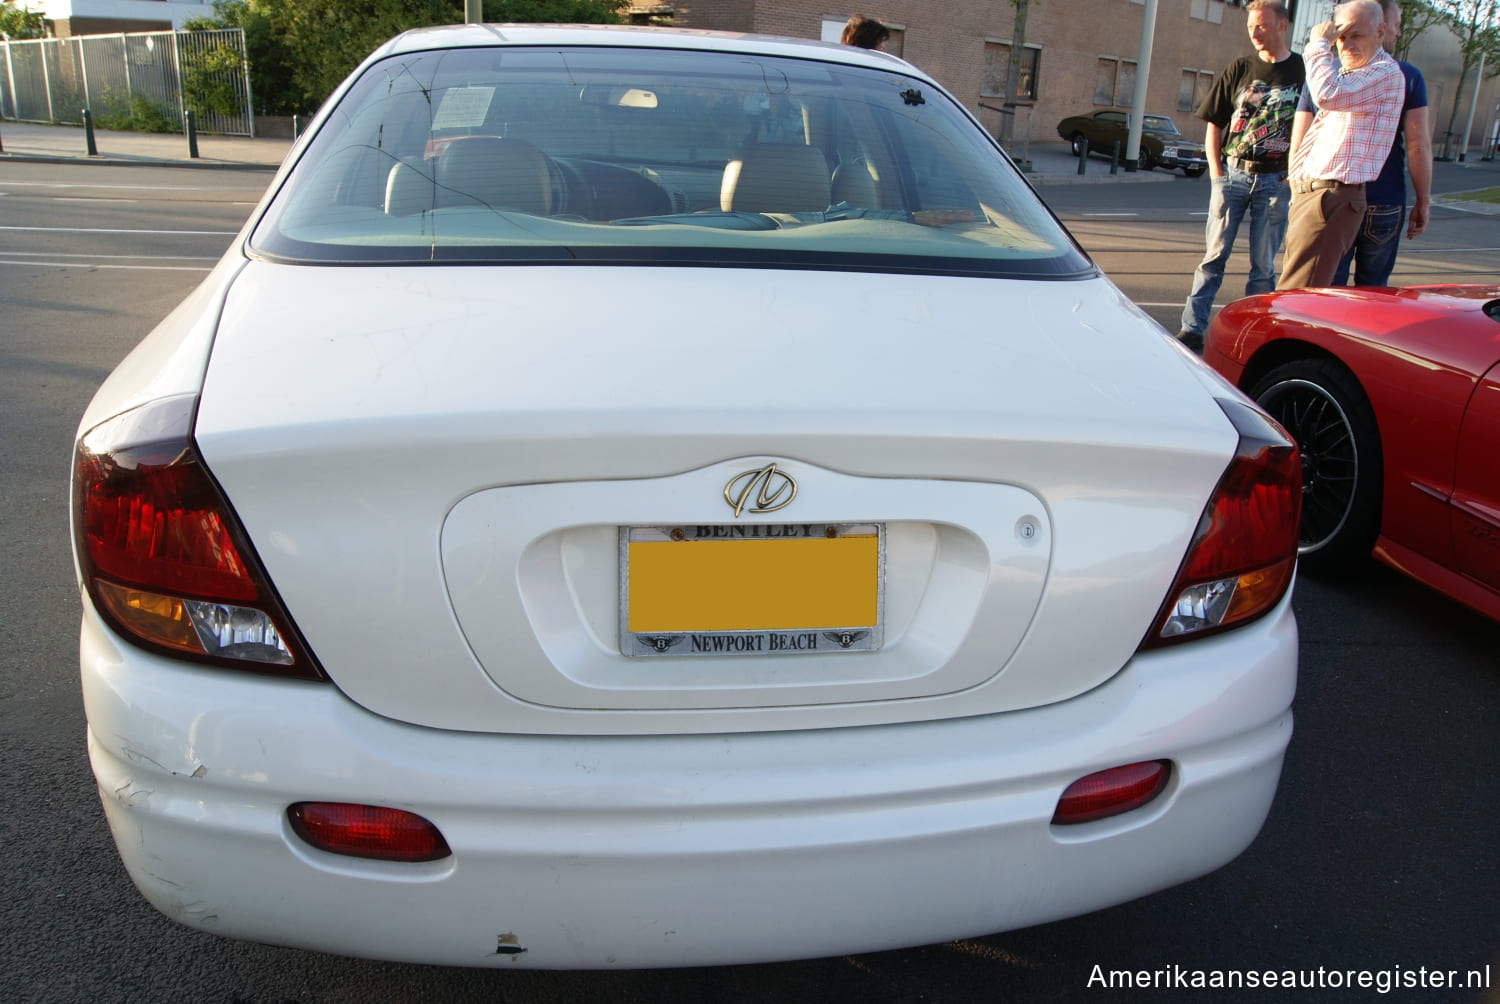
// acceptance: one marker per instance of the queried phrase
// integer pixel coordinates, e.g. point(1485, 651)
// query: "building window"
point(1185, 86)
point(658, 14)
point(1200, 93)
point(997, 71)
point(1114, 81)
point(1125, 85)
point(1104, 82)
point(1031, 58)
point(1192, 88)
point(1198, 9)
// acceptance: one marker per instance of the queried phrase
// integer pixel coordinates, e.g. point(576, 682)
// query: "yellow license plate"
point(754, 589)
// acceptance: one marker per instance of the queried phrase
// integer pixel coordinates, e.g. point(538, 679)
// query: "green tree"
point(271, 84)
point(326, 39)
point(299, 50)
point(1476, 24)
point(18, 22)
point(1416, 17)
point(208, 80)
point(1017, 50)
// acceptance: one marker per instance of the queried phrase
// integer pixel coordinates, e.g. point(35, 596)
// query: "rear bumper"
point(591, 852)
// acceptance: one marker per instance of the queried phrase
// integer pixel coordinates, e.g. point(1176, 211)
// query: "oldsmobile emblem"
point(764, 489)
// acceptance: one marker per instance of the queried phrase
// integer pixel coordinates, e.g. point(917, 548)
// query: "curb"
point(1136, 178)
point(1456, 200)
point(1465, 206)
point(117, 160)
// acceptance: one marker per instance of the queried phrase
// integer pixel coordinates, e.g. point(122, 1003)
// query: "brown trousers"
point(1321, 226)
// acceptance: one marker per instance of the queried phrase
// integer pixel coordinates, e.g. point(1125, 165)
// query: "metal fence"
point(145, 80)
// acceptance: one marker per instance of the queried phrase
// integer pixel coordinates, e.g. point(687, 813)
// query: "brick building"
point(1078, 54)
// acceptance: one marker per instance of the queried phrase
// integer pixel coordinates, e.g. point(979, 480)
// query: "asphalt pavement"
point(1050, 163)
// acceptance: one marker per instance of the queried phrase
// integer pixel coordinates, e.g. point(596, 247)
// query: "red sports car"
point(1394, 397)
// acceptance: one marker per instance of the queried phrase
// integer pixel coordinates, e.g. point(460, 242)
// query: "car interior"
point(470, 148)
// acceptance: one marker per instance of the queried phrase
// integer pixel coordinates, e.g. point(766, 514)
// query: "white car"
point(647, 498)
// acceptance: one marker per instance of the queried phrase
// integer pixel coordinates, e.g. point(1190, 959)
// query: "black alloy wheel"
point(1077, 143)
point(1323, 407)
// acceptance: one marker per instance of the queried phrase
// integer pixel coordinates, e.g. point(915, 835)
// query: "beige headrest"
point(775, 178)
point(499, 173)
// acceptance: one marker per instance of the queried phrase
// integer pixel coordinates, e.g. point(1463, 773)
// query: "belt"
point(1256, 166)
point(1302, 186)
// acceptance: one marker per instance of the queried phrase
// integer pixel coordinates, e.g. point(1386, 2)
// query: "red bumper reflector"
point(1111, 792)
point(367, 831)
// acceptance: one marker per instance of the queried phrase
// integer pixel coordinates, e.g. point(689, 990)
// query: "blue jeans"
point(1265, 196)
point(1374, 252)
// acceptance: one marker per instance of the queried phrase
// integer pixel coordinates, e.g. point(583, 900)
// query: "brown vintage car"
point(1162, 143)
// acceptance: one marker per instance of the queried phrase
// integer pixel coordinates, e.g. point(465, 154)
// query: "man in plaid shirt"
point(1359, 94)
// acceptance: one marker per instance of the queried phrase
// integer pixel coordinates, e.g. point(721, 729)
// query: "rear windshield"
point(657, 156)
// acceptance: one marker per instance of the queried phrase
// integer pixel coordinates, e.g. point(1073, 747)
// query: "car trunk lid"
point(435, 465)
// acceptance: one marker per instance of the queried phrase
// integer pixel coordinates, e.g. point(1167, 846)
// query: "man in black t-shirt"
point(1249, 111)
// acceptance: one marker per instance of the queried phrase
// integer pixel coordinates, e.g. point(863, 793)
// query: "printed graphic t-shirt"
point(1254, 102)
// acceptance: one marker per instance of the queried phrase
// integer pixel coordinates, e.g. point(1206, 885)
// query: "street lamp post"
point(1142, 81)
point(1473, 103)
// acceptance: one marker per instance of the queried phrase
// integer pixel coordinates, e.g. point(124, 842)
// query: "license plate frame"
point(785, 589)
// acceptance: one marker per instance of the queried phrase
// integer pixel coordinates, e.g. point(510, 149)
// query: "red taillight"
point(367, 831)
point(160, 551)
point(1242, 557)
point(151, 518)
point(1111, 792)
